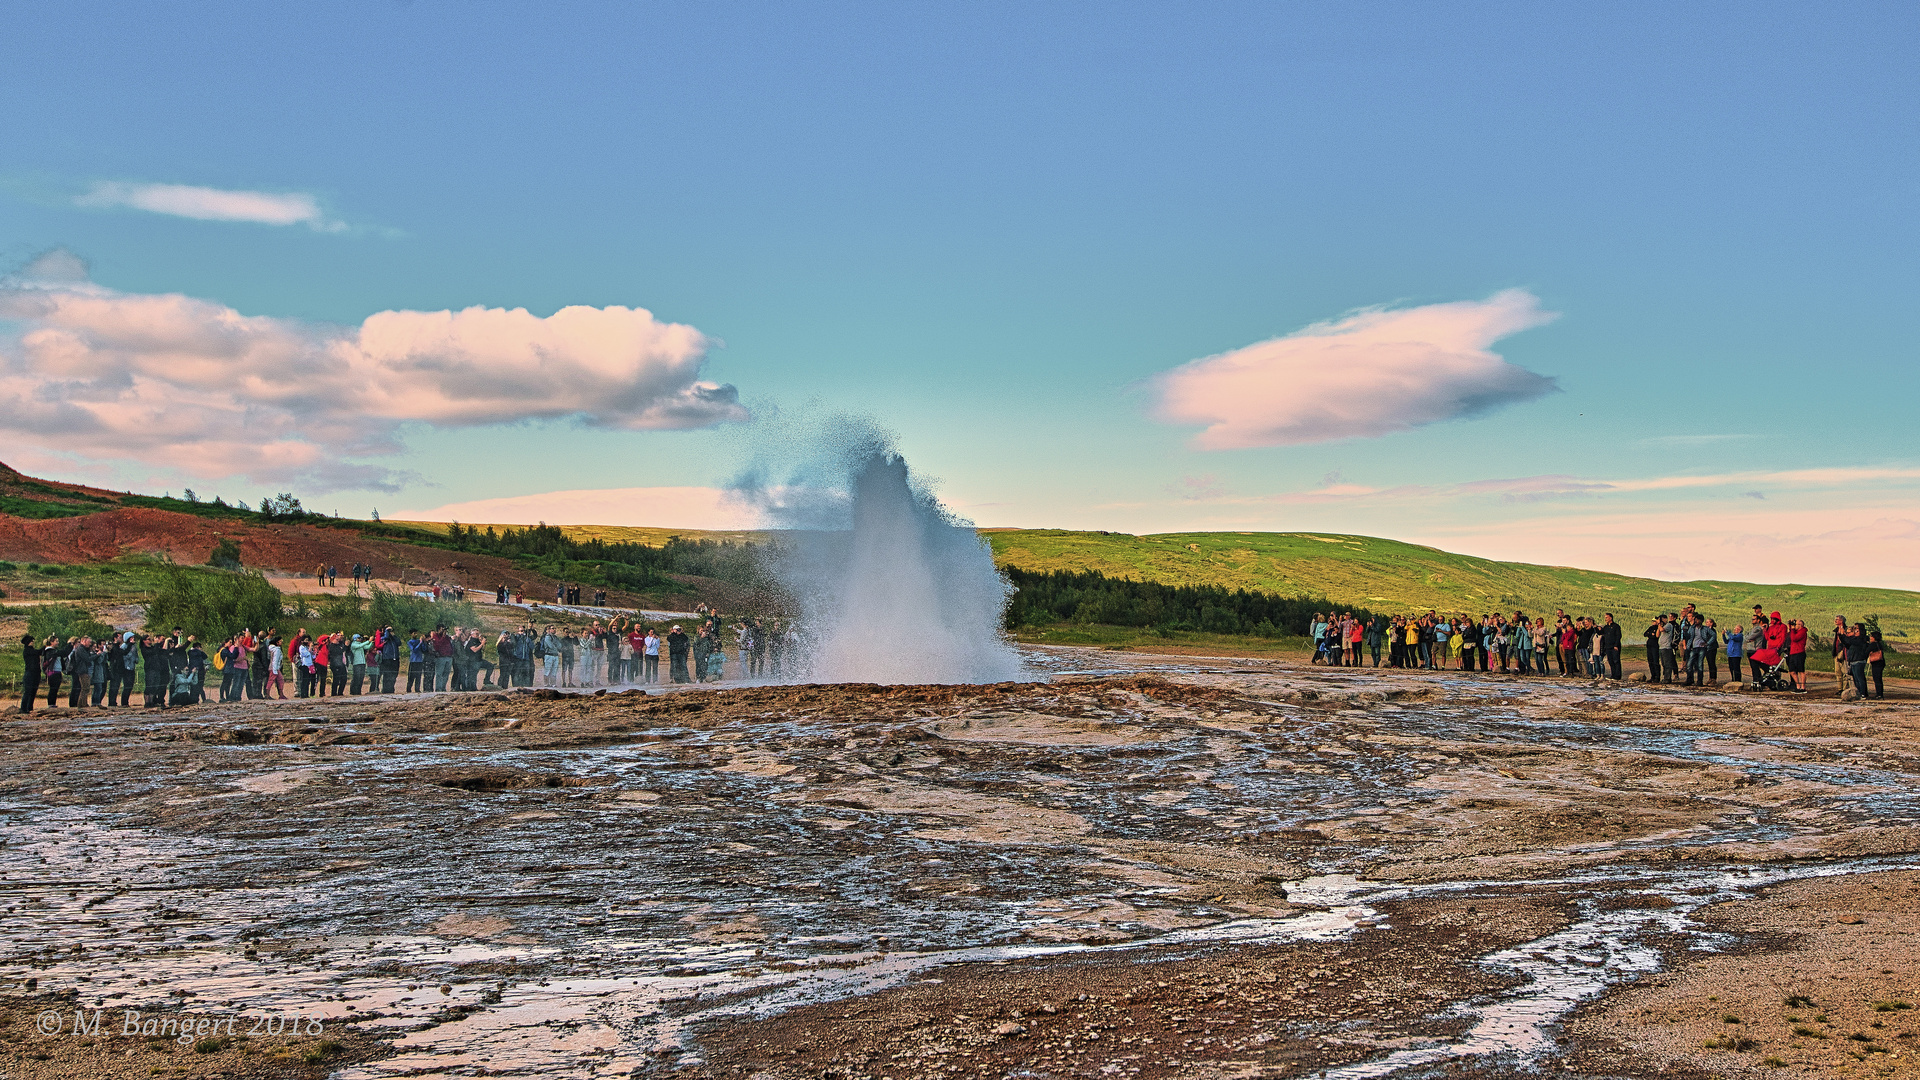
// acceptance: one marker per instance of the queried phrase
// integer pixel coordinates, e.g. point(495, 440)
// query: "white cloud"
point(174, 381)
point(210, 204)
point(1370, 373)
point(654, 507)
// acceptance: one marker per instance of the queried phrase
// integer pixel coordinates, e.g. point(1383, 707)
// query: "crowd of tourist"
point(265, 664)
point(1683, 647)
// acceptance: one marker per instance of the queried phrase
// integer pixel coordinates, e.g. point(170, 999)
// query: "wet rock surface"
point(1204, 868)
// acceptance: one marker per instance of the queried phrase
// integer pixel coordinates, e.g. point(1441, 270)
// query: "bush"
point(405, 612)
point(226, 555)
point(214, 606)
point(66, 620)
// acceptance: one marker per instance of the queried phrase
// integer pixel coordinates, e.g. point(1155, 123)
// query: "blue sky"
point(996, 227)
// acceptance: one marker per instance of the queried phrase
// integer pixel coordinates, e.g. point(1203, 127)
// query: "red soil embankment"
point(295, 549)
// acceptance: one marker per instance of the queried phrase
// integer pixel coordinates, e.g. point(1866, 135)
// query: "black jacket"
point(31, 654)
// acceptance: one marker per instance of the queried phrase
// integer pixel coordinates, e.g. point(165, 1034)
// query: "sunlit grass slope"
point(1390, 576)
point(1366, 571)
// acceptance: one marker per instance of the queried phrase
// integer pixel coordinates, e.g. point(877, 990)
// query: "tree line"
point(1057, 596)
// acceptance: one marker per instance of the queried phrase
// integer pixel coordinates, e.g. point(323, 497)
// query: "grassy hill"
point(1381, 575)
point(1387, 575)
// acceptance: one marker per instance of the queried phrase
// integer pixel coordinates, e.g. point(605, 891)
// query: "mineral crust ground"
point(1141, 866)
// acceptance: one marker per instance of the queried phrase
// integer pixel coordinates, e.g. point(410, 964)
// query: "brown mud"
point(1146, 866)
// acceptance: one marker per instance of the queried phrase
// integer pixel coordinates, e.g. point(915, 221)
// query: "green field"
point(1390, 576)
point(1380, 575)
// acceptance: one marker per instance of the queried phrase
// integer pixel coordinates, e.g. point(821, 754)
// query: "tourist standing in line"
point(357, 650)
point(442, 647)
point(30, 657)
point(322, 663)
point(1520, 640)
point(1713, 652)
point(159, 669)
point(302, 665)
point(79, 671)
point(480, 671)
point(389, 654)
point(1669, 641)
point(650, 655)
point(197, 667)
point(272, 683)
point(1797, 654)
point(1756, 639)
point(1877, 662)
point(1468, 632)
point(242, 666)
point(549, 653)
point(1699, 642)
point(223, 659)
point(340, 658)
point(1736, 640)
point(1839, 655)
point(53, 661)
point(418, 663)
point(257, 669)
point(1858, 647)
point(677, 646)
point(106, 661)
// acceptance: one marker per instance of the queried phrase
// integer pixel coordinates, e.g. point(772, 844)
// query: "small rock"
point(1638, 676)
point(1010, 1028)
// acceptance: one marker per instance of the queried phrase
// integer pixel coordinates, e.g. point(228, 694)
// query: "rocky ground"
point(1142, 867)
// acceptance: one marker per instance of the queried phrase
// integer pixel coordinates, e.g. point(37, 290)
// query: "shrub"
point(214, 606)
point(405, 612)
point(226, 555)
point(66, 620)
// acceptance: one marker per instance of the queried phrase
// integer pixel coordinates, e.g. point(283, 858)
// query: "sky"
point(1622, 286)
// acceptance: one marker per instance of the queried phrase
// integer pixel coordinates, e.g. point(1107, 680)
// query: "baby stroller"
point(1772, 666)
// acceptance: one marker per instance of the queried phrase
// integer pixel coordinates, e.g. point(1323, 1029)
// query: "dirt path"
point(1202, 867)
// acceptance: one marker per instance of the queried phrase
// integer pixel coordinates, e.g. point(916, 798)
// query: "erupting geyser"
point(902, 594)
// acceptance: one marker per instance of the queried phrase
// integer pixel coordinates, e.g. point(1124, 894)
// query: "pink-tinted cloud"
point(1811, 546)
point(1372, 373)
point(176, 381)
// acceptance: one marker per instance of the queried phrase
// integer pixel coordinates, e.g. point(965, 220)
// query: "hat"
point(1775, 615)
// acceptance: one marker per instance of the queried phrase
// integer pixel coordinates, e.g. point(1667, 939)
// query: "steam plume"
point(889, 586)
